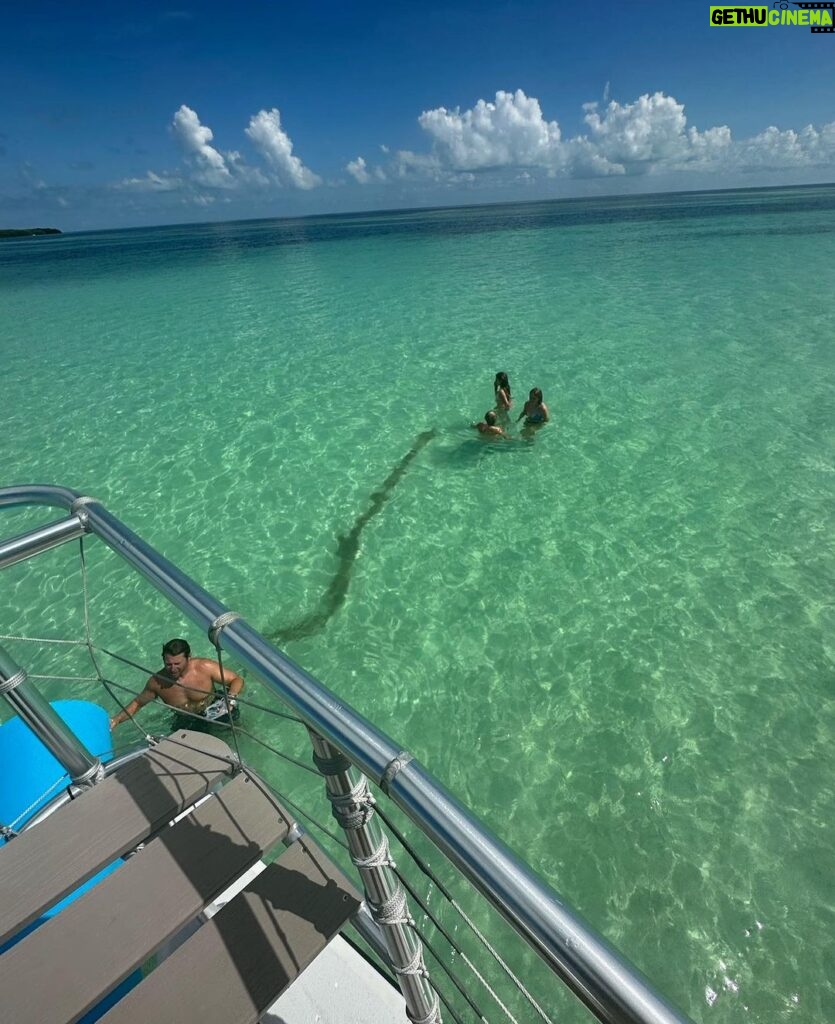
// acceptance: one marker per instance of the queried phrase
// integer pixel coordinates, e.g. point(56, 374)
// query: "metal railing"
point(614, 990)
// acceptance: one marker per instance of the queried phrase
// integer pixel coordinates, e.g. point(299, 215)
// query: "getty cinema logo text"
point(818, 17)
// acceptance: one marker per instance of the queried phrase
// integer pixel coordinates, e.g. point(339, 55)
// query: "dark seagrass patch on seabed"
point(347, 549)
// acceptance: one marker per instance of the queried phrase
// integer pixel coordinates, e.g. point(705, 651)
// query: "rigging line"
point(42, 640)
point(226, 699)
point(424, 867)
point(25, 813)
point(520, 987)
point(454, 903)
point(455, 981)
point(384, 969)
point(243, 732)
point(425, 908)
point(306, 767)
point(247, 703)
point(270, 711)
point(274, 750)
point(89, 640)
point(447, 1005)
point(322, 828)
point(347, 549)
point(241, 700)
point(233, 764)
point(108, 687)
point(64, 679)
point(456, 948)
point(486, 984)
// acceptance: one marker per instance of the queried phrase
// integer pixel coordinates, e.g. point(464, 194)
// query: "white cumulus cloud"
point(275, 146)
point(777, 150)
point(243, 172)
point(510, 131)
point(406, 164)
point(195, 137)
point(213, 169)
point(648, 130)
point(359, 171)
point(649, 135)
point(150, 183)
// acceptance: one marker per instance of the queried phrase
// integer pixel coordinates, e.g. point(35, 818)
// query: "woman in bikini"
point(535, 410)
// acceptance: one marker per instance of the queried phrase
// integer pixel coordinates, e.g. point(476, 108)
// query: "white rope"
point(67, 679)
point(14, 680)
point(42, 640)
point(25, 813)
point(380, 858)
point(415, 966)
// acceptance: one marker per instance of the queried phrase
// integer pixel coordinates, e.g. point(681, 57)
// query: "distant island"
point(26, 232)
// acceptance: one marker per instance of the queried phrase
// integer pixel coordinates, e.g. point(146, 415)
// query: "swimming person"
point(489, 426)
point(501, 388)
point(535, 410)
point(184, 683)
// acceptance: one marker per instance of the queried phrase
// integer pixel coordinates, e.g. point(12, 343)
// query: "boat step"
point(65, 967)
point(235, 966)
point(42, 865)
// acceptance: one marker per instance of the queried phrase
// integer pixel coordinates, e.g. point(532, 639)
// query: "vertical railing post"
point(352, 804)
point(26, 700)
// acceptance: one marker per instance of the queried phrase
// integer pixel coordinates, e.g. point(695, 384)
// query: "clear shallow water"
point(616, 643)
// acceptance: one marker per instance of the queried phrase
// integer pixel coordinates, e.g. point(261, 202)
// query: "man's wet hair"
point(175, 647)
point(490, 418)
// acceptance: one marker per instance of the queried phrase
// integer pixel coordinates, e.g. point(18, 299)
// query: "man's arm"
point(139, 701)
point(233, 683)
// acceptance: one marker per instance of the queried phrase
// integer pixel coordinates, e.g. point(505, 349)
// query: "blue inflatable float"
point(29, 774)
point(30, 777)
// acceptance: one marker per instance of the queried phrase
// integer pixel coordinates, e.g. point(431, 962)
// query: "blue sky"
point(119, 115)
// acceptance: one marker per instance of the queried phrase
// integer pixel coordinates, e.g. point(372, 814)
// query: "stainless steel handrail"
point(49, 536)
point(612, 989)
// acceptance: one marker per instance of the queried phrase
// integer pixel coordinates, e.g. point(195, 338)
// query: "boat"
point(171, 882)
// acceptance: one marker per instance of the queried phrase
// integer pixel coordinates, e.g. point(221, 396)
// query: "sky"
point(123, 115)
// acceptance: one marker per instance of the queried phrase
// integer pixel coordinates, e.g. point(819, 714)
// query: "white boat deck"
point(339, 987)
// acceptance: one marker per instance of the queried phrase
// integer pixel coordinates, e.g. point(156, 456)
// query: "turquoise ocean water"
point(615, 641)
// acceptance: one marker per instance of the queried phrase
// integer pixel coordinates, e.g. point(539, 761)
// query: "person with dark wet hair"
point(501, 388)
point(184, 683)
point(535, 410)
point(489, 426)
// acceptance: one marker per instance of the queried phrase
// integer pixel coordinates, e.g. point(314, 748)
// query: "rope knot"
point(220, 623)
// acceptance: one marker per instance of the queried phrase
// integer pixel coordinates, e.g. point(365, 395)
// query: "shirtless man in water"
point(185, 683)
point(489, 426)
